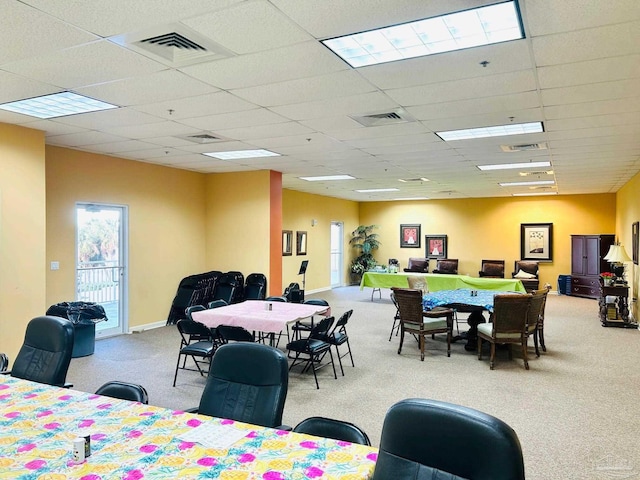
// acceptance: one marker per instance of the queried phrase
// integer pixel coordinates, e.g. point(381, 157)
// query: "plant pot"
point(355, 278)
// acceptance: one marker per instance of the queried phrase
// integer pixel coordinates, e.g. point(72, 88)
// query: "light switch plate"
point(55, 265)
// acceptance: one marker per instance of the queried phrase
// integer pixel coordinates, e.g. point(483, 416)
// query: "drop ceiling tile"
point(302, 60)
point(97, 62)
point(590, 93)
point(149, 130)
point(596, 121)
point(268, 26)
point(122, 147)
point(248, 118)
point(16, 87)
point(51, 127)
point(197, 106)
point(485, 120)
point(81, 139)
point(353, 105)
point(257, 132)
point(592, 71)
point(501, 84)
point(604, 107)
point(338, 84)
point(411, 128)
point(116, 117)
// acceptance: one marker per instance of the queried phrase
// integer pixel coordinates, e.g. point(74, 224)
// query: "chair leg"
point(535, 342)
point(394, 328)
point(401, 339)
point(541, 336)
point(479, 348)
point(339, 360)
point(422, 347)
point(524, 354)
point(350, 354)
point(175, 376)
point(492, 359)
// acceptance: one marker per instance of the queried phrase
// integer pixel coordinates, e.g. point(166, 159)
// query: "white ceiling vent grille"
point(526, 147)
point(383, 118)
point(203, 137)
point(175, 45)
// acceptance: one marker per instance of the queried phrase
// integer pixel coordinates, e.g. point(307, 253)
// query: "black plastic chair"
point(46, 352)
point(197, 342)
point(313, 349)
point(306, 326)
point(255, 287)
point(276, 298)
point(233, 333)
point(248, 383)
point(226, 288)
point(216, 304)
point(124, 391)
point(424, 439)
point(330, 428)
point(396, 317)
point(338, 337)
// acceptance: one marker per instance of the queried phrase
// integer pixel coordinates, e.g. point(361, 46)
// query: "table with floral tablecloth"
point(133, 441)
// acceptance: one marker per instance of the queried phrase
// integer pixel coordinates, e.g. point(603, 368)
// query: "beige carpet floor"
point(575, 411)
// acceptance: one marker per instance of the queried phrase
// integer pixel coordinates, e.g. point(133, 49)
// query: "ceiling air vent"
point(383, 118)
point(175, 45)
point(203, 138)
point(525, 147)
point(540, 173)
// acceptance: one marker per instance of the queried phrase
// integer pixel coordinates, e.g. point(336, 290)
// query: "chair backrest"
point(320, 330)
point(225, 288)
point(124, 391)
point(216, 304)
point(409, 304)
point(417, 264)
point(255, 287)
point(421, 438)
point(4, 362)
point(418, 283)
point(276, 298)
point(247, 382)
point(316, 301)
point(234, 333)
point(536, 308)
point(492, 268)
point(447, 265)
point(510, 313)
point(191, 328)
point(395, 302)
point(527, 266)
point(331, 428)
point(193, 308)
point(46, 352)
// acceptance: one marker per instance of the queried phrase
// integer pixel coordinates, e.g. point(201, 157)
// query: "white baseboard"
point(148, 326)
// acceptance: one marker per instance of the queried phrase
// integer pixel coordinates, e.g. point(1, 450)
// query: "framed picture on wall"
point(634, 241)
point(287, 242)
point(536, 241)
point(435, 246)
point(410, 236)
point(301, 243)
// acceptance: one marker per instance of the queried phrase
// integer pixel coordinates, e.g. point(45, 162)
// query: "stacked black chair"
point(238, 294)
point(217, 304)
point(331, 428)
point(226, 288)
point(124, 391)
point(192, 290)
point(255, 287)
point(46, 352)
point(423, 439)
point(248, 383)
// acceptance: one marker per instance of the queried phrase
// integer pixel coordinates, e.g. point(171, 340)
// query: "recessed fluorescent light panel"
point(526, 184)
point(322, 178)
point(533, 194)
point(56, 105)
point(412, 198)
point(470, 28)
point(497, 131)
point(234, 155)
point(374, 190)
point(508, 166)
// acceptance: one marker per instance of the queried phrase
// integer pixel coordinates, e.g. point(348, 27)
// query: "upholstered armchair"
point(447, 265)
point(417, 265)
point(492, 268)
point(527, 272)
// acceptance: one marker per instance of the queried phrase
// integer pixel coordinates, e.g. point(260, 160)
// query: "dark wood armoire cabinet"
point(587, 263)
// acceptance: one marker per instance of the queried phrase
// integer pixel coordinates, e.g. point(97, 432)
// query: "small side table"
point(615, 314)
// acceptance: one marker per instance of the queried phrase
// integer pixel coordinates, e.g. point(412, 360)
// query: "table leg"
point(475, 318)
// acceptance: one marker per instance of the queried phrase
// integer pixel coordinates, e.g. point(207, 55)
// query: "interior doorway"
point(337, 254)
point(101, 256)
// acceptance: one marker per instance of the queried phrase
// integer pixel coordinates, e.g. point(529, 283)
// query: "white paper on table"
point(211, 435)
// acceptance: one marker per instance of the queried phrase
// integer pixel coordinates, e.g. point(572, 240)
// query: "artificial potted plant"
point(365, 242)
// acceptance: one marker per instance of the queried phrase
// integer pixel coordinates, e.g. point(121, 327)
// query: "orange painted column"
point(275, 233)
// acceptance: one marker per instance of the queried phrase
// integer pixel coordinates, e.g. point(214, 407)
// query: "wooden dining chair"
point(509, 325)
point(416, 321)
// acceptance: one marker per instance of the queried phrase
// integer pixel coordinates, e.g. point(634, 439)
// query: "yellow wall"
point(628, 212)
point(490, 227)
point(166, 225)
point(22, 233)
point(298, 210)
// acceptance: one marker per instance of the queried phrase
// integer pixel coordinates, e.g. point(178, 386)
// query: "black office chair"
point(4, 362)
point(312, 350)
point(46, 352)
point(124, 391)
point(423, 439)
point(196, 341)
point(330, 428)
point(255, 287)
point(248, 383)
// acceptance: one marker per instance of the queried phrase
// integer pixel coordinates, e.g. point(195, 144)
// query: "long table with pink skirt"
point(260, 316)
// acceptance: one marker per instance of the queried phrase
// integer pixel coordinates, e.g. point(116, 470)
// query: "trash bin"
point(84, 316)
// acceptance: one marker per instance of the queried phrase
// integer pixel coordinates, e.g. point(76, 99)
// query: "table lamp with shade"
point(617, 256)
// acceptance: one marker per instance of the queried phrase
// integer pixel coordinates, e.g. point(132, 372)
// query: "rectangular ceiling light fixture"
point(526, 184)
point(323, 178)
point(56, 105)
point(539, 194)
point(375, 190)
point(234, 155)
point(508, 166)
point(496, 131)
point(455, 31)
